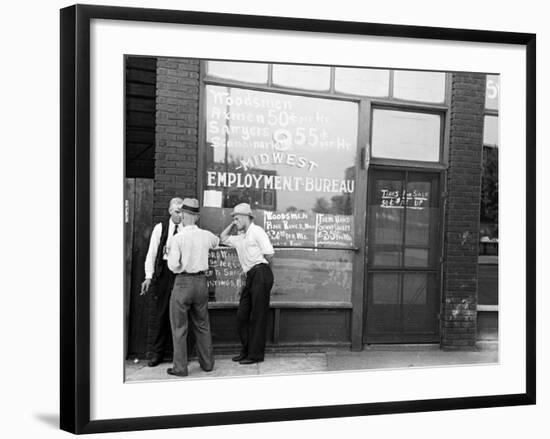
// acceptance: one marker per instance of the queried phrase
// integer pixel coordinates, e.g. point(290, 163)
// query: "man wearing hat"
point(188, 259)
point(159, 279)
point(255, 253)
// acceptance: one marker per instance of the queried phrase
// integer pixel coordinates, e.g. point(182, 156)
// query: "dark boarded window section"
point(141, 80)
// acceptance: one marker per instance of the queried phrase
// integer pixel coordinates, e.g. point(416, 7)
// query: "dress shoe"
point(239, 357)
point(154, 361)
point(249, 361)
point(171, 371)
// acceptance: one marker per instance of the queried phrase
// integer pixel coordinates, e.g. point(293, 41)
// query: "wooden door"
point(403, 254)
point(138, 223)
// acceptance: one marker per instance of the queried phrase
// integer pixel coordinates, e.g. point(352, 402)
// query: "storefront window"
point(300, 76)
point(362, 82)
point(238, 71)
point(419, 86)
point(292, 158)
point(280, 153)
point(406, 135)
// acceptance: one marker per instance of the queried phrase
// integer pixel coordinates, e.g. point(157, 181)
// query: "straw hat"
point(191, 205)
point(242, 209)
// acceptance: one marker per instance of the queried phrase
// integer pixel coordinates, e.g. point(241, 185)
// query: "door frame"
point(439, 176)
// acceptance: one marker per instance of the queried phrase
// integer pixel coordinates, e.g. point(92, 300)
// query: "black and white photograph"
point(275, 219)
point(299, 219)
point(278, 218)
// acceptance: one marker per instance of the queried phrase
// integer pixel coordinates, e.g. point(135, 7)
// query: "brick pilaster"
point(176, 137)
point(462, 215)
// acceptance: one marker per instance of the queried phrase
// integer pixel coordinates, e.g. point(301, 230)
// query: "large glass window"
point(238, 71)
point(362, 82)
point(419, 86)
point(406, 135)
point(293, 159)
point(282, 153)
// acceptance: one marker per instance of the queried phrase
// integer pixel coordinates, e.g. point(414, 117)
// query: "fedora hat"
point(242, 209)
point(190, 205)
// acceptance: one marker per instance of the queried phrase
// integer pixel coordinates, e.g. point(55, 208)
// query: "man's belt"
point(198, 273)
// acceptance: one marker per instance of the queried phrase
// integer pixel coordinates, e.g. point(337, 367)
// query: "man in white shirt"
point(255, 254)
point(188, 259)
point(160, 280)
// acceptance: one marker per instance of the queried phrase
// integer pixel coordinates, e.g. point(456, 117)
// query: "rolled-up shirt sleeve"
point(214, 240)
point(174, 255)
point(263, 241)
point(152, 251)
point(231, 241)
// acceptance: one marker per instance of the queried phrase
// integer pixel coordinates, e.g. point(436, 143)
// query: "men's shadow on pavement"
point(50, 419)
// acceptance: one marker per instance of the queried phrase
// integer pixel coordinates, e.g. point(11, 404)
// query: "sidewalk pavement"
point(338, 359)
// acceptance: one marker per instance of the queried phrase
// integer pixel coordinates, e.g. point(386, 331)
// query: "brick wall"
point(462, 216)
point(176, 143)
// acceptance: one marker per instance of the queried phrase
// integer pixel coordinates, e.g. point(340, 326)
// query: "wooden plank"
point(140, 169)
point(142, 76)
point(129, 193)
point(223, 325)
point(360, 261)
point(143, 224)
point(138, 135)
point(140, 151)
point(314, 326)
point(292, 305)
point(276, 325)
point(140, 119)
point(141, 90)
point(142, 63)
point(140, 104)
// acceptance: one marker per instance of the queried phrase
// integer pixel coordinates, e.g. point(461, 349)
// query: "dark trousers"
point(161, 334)
point(189, 304)
point(253, 311)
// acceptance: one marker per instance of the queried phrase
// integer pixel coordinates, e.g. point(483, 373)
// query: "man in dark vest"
point(160, 280)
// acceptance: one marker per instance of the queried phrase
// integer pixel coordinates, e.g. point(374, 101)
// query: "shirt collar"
point(249, 228)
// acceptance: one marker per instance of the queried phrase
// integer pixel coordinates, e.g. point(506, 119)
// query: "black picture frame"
point(75, 217)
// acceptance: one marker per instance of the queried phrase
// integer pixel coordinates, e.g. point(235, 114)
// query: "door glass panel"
point(420, 306)
point(416, 257)
point(385, 289)
point(387, 212)
point(418, 227)
point(417, 231)
point(415, 287)
point(386, 258)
